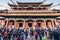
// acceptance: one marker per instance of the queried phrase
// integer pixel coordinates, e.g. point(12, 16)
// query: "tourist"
point(26, 34)
point(14, 33)
point(31, 32)
point(55, 34)
point(0, 33)
point(40, 35)
point(9, 32)
point(22, 36)
point(19, 34)
point(36, 36)
point(5, 37)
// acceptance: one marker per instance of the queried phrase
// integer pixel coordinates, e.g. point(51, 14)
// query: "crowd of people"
point(26, 33)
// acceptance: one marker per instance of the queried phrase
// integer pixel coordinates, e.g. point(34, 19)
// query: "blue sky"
point(55, 2)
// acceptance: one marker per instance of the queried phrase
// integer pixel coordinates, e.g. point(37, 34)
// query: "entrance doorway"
point(40, 23)
point(30, 24)
point(10, 23)
point(20, 24)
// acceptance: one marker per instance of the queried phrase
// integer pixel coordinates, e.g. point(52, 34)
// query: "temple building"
point(30, 14)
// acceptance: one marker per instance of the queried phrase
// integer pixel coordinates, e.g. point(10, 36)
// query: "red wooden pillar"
point(26, 25)
point(45, 24)
point(6, 23)
point(15, 23)
point(33, 25)
point(0, 22)
point(53, 23)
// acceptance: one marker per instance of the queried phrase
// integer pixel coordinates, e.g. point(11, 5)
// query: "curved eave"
point(12, 4)
point(29, 2)
point(45, 5)
point(30, 14)
point(56, 10)
point(58, 18)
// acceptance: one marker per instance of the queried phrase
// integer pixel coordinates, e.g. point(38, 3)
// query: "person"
point(26, 34)
point(36, 36)
point(5, 35)
point(58, 31)
point(19, 34)
point(31, 32)
point(0, 33)
point(9, 33)
point(40, 35)
point(37, 30)
point(14, 33)
point(56, 37)
point(50, 32)
point(22, 38)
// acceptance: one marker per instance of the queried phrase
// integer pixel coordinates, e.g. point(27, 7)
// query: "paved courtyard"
point(30, 38)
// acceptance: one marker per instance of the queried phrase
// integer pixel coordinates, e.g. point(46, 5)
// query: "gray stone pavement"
point(32, 38)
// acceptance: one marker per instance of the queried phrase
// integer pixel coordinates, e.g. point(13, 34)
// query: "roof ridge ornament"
point(12, 1)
